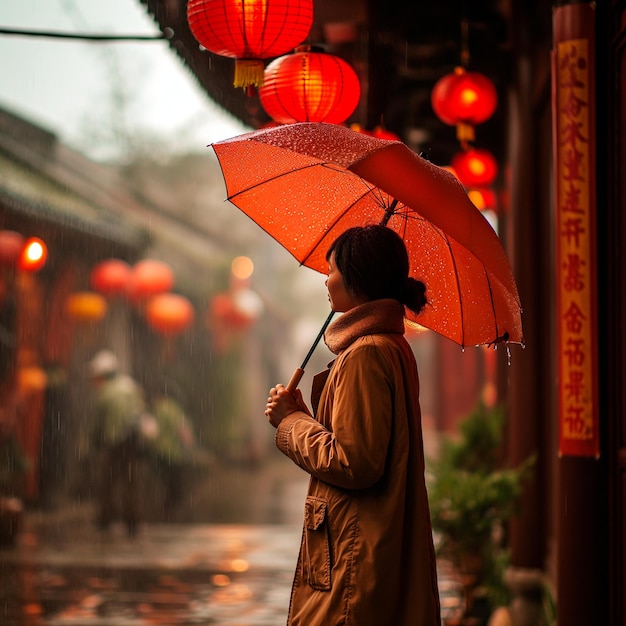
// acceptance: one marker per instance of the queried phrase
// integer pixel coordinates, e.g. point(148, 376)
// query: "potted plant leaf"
point(471, 497)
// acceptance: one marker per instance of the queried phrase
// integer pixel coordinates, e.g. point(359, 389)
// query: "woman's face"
point(340, 300)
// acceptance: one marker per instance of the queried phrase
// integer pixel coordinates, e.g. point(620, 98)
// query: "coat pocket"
point(316, 557)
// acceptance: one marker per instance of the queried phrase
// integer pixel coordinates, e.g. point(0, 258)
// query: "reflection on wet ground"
point(195, 565)
point(170, 574)
point(64, 572)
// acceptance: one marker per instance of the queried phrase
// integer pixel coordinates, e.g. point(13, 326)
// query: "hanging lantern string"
point(81, 36)
point(465, 54)
point(465, 133)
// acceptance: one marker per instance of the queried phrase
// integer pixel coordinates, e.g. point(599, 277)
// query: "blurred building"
point(52, 193)
point(53, 318)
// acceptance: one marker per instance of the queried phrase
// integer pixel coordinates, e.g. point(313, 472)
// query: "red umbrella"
point(306, 183)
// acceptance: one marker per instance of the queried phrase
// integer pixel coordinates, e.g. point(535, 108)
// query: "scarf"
point(374, 317)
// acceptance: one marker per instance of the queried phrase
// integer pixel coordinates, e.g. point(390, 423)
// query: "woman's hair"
point(374, 264)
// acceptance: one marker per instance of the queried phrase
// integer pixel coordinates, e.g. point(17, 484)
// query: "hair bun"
point(415, 294)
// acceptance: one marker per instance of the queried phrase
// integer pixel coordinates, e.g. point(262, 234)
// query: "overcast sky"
point(66, 86)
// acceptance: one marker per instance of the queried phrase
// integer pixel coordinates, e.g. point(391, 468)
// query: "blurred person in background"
point(174, 446)
point(119, 418)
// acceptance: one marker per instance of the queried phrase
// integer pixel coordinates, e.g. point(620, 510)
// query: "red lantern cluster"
point(249, 31)
point(464, 99)
point(146, 285)
point(310, 86)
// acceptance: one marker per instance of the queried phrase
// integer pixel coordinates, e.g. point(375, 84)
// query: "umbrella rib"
point(337, 219)
point(498, 338)
point(458, 285)
point(505, 336)
point(317, 211)
point(289, 173)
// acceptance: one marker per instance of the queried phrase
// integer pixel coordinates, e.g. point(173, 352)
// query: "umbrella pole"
point(297, 375)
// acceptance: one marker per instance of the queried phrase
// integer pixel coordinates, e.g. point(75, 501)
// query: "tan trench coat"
point(367, 554)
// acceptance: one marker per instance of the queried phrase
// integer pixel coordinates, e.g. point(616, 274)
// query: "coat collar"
point(378, 316)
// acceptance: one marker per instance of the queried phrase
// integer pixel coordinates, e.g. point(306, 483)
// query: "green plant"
point(549, 606)
point(472, 496)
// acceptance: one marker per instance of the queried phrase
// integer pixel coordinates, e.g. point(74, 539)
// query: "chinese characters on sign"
point(575, 246)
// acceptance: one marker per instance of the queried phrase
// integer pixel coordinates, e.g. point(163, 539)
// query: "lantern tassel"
point(248, 72)
point(465, 133)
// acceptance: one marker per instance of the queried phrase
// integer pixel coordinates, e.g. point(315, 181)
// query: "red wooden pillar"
point(30, 377)
point(582, 494)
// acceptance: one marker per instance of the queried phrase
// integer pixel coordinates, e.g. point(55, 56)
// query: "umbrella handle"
point(295, 379)
point(299, 373)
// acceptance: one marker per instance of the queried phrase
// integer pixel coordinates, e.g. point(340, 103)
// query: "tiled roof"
point(31, 193)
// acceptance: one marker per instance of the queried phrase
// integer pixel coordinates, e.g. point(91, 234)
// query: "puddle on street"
point(63, 572)
point(48, 596)
point(45, 596)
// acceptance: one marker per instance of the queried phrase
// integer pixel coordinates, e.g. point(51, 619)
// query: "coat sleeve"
point(353, 452)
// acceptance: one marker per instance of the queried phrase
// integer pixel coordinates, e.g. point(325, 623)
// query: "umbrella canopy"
point(306, 183)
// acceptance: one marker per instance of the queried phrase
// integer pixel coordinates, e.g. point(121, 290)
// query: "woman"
point(367, 554)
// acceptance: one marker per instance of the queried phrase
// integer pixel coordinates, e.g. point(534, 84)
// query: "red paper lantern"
point(249, 31)
point(149, 278)
point(110, 277)
point(464, 99)
point(221, 308)
point(475, 167)
point(380, 132)
point(11, 244)
point(247, 306)
point(86, 306)
point(31, 379)
point(310, 86)
point(225, 315)
point(483, 198)
point(169, 313)
point(33, 255)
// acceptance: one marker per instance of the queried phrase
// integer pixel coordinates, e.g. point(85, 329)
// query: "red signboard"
point(573, 93)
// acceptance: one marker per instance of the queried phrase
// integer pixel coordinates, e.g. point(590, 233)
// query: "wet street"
point(62, 571)
point(169, 574)
point(233, 575)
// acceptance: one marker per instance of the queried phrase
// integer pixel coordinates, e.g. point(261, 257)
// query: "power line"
point(80, 36)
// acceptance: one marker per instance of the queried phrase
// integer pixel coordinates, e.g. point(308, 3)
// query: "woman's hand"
point(282, 403)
